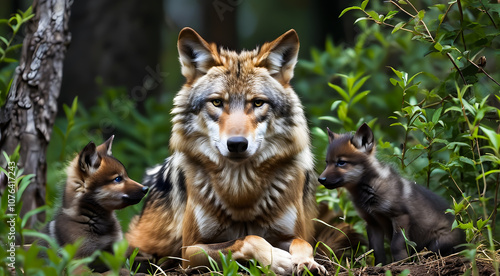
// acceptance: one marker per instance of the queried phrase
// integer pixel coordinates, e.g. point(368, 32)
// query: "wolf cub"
point(388, 202)
point(97, 184)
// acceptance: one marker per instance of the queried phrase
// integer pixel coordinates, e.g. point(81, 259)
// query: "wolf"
point(241, 176)
point(389, 203)
point(96, 185)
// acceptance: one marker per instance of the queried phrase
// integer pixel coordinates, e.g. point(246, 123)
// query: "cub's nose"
point(145, 189)
point(237, 144)
point(322, 180)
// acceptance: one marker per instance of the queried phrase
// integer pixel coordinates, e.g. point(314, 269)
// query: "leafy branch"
point(421, 30)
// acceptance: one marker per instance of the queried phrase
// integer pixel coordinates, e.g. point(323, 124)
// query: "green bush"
point(417, 76)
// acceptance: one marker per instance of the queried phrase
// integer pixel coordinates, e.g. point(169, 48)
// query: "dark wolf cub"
point(386, 201)
point(97, 184)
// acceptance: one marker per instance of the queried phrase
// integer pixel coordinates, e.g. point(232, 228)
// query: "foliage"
point(444, 124)
point(9, 45)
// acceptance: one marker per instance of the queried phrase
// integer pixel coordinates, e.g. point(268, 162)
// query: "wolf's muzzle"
point(238, 144)
point(135, 197)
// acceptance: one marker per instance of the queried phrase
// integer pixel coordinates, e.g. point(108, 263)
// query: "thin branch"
point(436, 103)
point(461, 23)
point(484, 72)
point(489, 15)
point(456, 67)
point(396, 4)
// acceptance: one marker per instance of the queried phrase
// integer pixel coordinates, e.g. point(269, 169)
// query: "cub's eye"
point(118, 179)
point(217, 102)
point(341, 163)
point(258, 103)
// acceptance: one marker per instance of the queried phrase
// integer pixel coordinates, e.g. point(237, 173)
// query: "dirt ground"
point(429, 264)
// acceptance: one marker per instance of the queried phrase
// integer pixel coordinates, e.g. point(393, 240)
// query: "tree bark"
point(28, 116)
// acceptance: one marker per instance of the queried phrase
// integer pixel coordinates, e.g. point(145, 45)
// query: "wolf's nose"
point(237, 144)
point(322, 180)
point(145, 189)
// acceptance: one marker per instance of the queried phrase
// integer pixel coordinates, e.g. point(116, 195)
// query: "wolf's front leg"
point(376, 242)
point(247, 248)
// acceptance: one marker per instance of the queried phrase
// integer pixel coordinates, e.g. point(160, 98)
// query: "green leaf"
point(437, 115)
point(493, 137)
point(421, 14)
point(316, 131)
point(481, 223)
point(487, 173)
point(363, 5)
point(438, 46)
point(374, 15)
point(390, 15)
point(414, 76)
point(335, 104)
point(350, 9)
point(397, 27)
point(466, 160)
point(358, 85)
point(361, 19)
point(9, 60)
point(14, 47)
point(330, 119)
point(360, 96)
point(340, 91)
point(4, 40)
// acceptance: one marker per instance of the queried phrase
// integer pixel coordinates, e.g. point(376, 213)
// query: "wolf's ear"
point(280, 56)
point(195, 54)
point(89, 159)
point(363, 138)
point(105, 148)
point(331, 135)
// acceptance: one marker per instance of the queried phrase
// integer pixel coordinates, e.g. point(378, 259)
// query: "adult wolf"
point(241, 175)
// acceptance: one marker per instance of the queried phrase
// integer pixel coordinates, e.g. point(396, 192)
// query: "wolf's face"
point(235, 106)
point(346, 158)
point(105, 178)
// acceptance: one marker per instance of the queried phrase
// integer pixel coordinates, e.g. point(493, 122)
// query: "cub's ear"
point(331, 135)
point(105, 148)
point(89, 159)
point(280, 56)
point(195, 54)
point(363, 138)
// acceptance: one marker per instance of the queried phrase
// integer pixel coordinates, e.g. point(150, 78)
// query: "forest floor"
point(429, 264)
point(444, 266)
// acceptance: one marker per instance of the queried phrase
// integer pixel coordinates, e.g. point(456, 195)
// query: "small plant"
point(8, 47)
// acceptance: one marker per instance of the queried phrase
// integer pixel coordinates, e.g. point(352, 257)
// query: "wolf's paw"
point(281, 262)
point(300, 265)
point(255, 247)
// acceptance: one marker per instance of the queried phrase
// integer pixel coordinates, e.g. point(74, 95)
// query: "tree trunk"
point(27, 117)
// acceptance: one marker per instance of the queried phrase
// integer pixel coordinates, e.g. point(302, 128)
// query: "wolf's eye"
point(258, 103)
point(341, 163)
point(118, 179)
point(217, 103)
